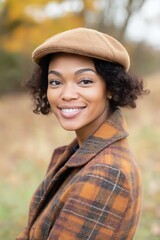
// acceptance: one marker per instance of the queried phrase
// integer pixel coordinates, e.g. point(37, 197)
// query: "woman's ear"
point(109, 95)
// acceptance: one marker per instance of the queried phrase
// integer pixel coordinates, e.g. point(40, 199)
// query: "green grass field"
point(26, 144)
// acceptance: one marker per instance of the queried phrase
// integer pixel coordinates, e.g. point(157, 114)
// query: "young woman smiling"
point(77, 94)
point(92, 188)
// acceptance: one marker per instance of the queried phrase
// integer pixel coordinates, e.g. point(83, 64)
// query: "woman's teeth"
point(70, 110)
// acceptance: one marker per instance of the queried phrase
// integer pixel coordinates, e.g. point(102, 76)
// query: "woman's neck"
point(88, 130)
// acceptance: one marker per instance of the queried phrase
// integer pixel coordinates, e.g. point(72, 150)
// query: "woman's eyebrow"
point(55, 73)
point(85, 70)
point(76, 73)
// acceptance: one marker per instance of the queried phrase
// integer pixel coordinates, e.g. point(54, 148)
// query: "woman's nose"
point(69, 92)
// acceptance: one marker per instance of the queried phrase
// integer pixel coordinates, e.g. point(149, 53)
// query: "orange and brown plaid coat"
point(93, 193)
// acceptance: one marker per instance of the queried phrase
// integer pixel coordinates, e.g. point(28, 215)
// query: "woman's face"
point(76, 93)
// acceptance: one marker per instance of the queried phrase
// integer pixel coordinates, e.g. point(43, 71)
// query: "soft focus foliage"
point(14, 69)
point(27, 140)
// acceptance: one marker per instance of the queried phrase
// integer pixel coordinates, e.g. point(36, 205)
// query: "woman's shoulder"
point(118, 161)
point(120, 156)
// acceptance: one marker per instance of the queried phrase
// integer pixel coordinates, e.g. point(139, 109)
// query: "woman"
point(92, 188)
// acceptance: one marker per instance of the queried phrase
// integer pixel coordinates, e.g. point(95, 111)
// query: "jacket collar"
point(109, 132)
point(112, 130)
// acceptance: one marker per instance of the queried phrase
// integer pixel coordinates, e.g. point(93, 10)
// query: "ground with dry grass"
point(26, 144)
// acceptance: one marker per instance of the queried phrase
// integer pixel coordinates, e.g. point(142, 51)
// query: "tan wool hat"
point(85, 42)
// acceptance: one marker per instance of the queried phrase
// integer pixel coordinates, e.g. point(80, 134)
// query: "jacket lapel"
point(109, 132)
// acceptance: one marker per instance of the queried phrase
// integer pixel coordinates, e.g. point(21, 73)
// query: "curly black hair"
point(124, 87)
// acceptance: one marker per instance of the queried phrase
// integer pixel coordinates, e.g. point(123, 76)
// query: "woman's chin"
point(69, 128)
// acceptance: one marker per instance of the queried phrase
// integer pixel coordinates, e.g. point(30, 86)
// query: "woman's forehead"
point(64, 60)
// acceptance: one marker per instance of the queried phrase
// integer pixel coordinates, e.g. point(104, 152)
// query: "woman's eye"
point(54, 83)
point(86, 82)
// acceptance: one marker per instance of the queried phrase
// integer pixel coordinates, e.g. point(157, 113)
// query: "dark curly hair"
point(124, 87)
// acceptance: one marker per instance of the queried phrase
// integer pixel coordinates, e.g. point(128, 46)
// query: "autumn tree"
point(26, 23)
point(111, 16)
point(35, 17)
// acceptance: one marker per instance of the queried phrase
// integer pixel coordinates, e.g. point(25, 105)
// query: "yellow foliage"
point(89, 4)
point(31, 33)
point(17, 8)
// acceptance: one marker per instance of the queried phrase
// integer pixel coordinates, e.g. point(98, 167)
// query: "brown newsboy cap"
point(86, 42)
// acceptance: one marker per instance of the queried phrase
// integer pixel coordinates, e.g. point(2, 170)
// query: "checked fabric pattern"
point(92, 194)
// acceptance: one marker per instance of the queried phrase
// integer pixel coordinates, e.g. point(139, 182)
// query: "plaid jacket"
point(94, 193)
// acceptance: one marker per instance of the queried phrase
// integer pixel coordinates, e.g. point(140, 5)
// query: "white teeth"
point(70, 110)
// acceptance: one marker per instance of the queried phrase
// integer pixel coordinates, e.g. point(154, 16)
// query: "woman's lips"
point(70, 112)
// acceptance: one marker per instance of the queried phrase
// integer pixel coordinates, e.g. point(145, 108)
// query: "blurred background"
point(27, 140)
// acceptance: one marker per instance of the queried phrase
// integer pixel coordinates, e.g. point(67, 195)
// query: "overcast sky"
point(146, 24)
